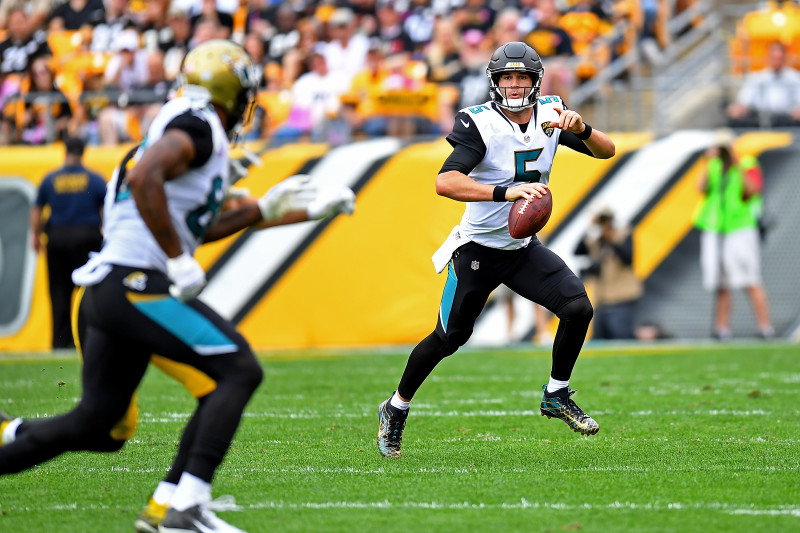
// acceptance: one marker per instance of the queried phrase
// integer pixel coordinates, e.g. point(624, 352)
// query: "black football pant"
point(128, 317)
point(534, 272)
point(67, 249)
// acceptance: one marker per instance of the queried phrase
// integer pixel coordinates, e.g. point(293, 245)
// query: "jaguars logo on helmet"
point(514, 57)
point(224, 71)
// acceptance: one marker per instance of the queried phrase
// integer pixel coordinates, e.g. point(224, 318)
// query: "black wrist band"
point(499, 194)
point(586, 133)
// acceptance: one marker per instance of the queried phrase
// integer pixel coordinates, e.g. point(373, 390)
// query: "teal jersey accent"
point(188, 325)
point(448, 295)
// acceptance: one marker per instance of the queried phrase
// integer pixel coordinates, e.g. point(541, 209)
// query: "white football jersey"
point(512, 156)
point(193, 199)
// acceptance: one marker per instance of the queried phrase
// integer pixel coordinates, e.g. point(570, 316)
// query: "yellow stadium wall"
point(366, 280)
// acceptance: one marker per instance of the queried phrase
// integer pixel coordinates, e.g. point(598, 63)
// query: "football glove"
point(331, 202)
point(295, 193)
point(187, 276)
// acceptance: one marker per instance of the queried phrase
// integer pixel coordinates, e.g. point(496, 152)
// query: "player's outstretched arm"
point(601, 146)
point(290, 201)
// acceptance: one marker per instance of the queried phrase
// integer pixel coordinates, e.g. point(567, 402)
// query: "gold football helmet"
point(226, 72)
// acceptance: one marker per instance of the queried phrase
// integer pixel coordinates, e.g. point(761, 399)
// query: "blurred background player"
point(74, 195)
point(140, 289)
point(503, 150)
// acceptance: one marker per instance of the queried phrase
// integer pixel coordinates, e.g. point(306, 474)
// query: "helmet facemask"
point(500, 96)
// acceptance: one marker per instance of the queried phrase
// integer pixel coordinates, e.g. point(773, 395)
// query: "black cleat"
point(390, 430)
point(559, 404)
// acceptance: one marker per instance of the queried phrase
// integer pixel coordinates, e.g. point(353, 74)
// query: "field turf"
point(692, 438)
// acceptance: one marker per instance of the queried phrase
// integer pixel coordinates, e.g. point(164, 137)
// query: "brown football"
point(528, 217)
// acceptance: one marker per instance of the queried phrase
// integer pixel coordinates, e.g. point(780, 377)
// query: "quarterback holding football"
point(503, 150)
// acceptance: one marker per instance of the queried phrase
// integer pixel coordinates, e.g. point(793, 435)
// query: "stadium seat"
point(758, 29)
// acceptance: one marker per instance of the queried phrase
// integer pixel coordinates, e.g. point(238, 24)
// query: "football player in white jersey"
point(138, 295)
point(503, 150)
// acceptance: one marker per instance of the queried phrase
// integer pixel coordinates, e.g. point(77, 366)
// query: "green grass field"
point(691, 439)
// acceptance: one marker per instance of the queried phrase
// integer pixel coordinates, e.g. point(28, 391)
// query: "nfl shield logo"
point(475, 265)
point(547, 129)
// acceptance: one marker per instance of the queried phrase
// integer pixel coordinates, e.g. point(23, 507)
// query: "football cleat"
point(559, 404)
point(152, 515)
point(392, 421)
point(196, 519)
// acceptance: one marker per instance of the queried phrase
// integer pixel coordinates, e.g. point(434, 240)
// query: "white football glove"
point(295, 193)
point(331, 202)
point(187, 276)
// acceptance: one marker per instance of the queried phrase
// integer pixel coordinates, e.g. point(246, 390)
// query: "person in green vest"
point(730, 248)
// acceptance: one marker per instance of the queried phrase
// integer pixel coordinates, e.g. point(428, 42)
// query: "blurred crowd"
point(330, 71)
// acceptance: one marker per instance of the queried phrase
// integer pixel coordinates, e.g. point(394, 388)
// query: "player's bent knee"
point(579, 310)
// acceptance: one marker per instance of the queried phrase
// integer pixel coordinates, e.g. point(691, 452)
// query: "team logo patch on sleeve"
point(547, 128)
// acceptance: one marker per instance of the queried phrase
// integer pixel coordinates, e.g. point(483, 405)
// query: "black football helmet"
point(514, 57)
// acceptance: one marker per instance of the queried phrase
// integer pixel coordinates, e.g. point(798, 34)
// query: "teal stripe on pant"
point(188, 325)
point(448, 295)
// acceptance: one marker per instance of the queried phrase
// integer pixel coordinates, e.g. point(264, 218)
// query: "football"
point(528, 217)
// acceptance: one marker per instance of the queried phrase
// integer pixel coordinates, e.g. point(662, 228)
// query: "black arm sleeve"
point(199, 131)
point(462, 159)
point(570, 140)
point(468, 146)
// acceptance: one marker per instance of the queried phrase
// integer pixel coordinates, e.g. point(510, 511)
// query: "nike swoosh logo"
point(466, 124)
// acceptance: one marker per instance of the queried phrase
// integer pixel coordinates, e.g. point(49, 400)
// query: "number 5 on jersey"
point(522, 164)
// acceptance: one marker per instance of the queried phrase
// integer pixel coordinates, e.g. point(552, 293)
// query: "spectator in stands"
point(208, 11)
point(75, 14)
point(175, 50)
point(770, 97)
point(442, 53)
point(419, 22)
point(615, 289)
point(37, 12)
point(346, 51)
point(114, 21)
point(43, 112)
point(474, 84)
point(555, 45)
point(358, 104)
point(315, 101)
point(75, 196)
point(506, 25)
point(130, 69)
point(20, 47)
point(475, 14)
point(285, 35)
point(390, 30)
point(296, 60)
point(730, 248)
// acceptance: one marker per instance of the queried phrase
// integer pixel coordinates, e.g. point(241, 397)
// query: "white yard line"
point(521, 504)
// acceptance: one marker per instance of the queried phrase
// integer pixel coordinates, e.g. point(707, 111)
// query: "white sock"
point(191, 491)
point(398, 403)
point(10, 432)
point(164, 492)
point(554, 384)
